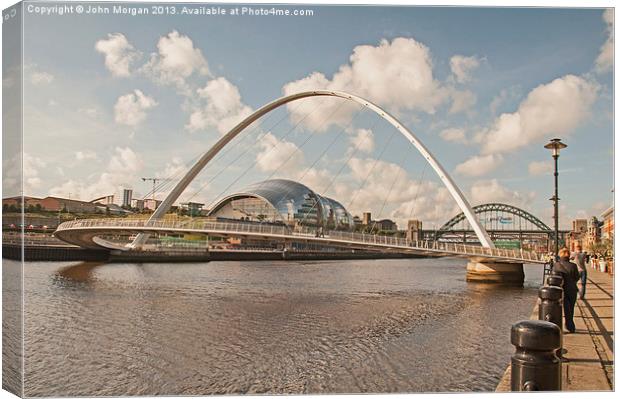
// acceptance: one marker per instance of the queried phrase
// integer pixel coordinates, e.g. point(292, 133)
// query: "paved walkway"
point(589, 352)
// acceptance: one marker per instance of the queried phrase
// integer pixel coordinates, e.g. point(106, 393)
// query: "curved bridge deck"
point(86, 232)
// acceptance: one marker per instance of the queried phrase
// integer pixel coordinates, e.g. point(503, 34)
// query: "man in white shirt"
point(580, 260)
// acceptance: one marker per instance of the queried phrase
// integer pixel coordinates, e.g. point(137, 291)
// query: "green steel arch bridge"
point(507, 225)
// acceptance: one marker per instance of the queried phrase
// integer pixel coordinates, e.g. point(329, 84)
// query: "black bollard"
point(534, 366)
point(555, 280)
point(550, 308)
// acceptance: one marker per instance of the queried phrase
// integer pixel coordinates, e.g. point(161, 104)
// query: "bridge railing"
point(303, 231)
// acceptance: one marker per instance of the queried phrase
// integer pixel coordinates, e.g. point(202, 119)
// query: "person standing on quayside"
point(569, 272)
point(580, 260)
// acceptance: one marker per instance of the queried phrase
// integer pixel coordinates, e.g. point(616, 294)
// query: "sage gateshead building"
point(283, 202)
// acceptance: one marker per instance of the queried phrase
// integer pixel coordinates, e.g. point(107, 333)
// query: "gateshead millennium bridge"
point(485, 260)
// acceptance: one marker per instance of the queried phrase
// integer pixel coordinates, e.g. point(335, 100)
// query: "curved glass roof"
point(294, 202)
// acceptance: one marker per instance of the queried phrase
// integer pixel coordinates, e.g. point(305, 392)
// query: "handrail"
point(300, 231)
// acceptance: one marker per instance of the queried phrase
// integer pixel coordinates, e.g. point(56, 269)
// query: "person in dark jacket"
point(570, 273)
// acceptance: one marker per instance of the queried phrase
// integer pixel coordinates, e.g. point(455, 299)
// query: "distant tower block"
point(366, 218)
point(127, 197)
point(414, 230)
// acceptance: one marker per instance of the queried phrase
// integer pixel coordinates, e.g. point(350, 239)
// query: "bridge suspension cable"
point(417, 192)
point(218, 146)
point(324, 191)
point(376, 161)
point(251, 166)
point(388, 194)
point(317, 159)
point(167, 181)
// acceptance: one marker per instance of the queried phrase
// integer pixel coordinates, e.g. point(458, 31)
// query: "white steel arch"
point(456, 193)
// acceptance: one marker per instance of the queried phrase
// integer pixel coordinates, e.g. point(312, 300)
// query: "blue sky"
point(109, 99)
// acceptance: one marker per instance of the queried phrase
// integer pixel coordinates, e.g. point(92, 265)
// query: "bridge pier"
point(495, 272)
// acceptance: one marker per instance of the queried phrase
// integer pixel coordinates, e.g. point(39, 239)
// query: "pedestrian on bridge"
point(580, 259)
point(570, 273)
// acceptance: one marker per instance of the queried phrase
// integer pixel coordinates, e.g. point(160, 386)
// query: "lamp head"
point(555, 145)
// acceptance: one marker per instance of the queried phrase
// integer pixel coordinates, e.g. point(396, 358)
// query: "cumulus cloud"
point(363, 140)
point(487, 191)
point(31, 73)
point(131, 108)
point(462, 67)
point(122, 170)
point(125, 160)
point(85, 155)
point(555, 108)
point(454, 135)
point(32, 166)
point(118, 53)
point(397, 75)
point(315, 178)
point(91, 112)
point(461, 101)
point(605, 59)
point(404, 197)
point(176, 60)
point(433, 208)
point(537, 168)
point(479, 165)
point(13, 175)
point(223, 110)
point(176, 167)
point(504, 96)
point(276, 153)
point(39, 78)
point(318, 113)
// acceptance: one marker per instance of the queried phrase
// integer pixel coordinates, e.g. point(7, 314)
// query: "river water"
point(400, 325)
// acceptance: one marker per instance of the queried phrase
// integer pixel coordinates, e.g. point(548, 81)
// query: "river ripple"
point(401, 325)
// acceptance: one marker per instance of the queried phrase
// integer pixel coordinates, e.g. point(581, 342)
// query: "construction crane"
point(155, 180)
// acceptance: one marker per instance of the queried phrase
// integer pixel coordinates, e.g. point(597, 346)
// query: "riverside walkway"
point(589, 352)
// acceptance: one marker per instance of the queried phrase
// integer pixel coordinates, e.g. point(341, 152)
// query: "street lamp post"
point(555, 145)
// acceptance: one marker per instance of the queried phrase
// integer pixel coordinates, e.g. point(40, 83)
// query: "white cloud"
point(479, 165)
point(404, 197)
point(39, 78)
point(462, 67)
point(32, 166)
point(555, 108)
point(131, 108)
point(91, 112)
point(224, 108)
point(317, 179)
point(461, 101)
point(504, 96)
point(488, 191)
point(173, 169)
point(397, 75)
point(363, 140)
point(12, 174)
point(276, 153)
point(433, 208)
point(85, 155)
point(318, 113)
point(119, 54)
point(605, 59)
point(175, 61)
point(122, 171)
point(540, 168)
point(454, 135)
point(125, 160)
